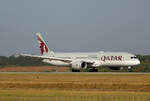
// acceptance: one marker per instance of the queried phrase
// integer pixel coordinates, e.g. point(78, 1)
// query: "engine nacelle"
point(77, 65)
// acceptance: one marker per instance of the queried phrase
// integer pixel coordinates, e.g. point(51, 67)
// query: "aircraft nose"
point(138, 62)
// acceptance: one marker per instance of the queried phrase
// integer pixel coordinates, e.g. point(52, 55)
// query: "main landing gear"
point(74, 70)
point(93, 70)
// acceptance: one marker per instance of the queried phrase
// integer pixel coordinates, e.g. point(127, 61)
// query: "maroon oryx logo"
point(43, 46)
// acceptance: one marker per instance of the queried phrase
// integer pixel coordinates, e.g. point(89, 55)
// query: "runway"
point(75, 73)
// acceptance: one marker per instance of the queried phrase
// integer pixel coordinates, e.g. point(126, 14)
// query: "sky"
point(75, 25)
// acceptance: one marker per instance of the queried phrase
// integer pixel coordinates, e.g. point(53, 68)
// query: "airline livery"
point(91, 60)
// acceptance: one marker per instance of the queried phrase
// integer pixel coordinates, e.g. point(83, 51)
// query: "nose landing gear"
point(130, 69)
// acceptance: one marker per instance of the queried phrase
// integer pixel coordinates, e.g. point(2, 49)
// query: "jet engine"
point(77, 65)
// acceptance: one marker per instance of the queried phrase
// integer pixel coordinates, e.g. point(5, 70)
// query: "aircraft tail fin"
point(45, 51)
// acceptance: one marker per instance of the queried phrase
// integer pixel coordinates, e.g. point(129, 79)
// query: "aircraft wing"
point(45, 57)
point(55, 58)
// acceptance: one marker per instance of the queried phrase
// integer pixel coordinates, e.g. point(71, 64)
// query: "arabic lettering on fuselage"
point(111, 58)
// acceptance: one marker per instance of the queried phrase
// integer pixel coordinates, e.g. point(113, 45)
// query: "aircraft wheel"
point(129, 69)
point(74, 70)
point(93, 70)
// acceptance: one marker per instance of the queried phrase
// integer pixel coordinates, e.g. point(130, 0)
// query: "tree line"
point(20, 61)
point(144, 58)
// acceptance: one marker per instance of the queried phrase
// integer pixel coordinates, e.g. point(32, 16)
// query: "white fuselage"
point(111, 59)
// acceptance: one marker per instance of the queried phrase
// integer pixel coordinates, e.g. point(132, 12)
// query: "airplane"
point(82, 60)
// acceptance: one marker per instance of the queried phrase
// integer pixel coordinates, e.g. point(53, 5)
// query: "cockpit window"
point(133, 57)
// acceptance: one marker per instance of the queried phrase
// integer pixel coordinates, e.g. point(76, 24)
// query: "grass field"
point(74, 87)
point(71, 95)
point(35, 69)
